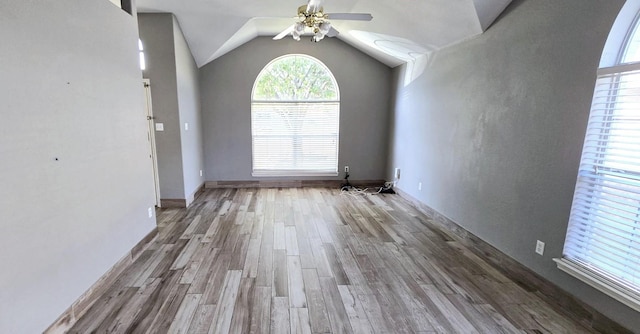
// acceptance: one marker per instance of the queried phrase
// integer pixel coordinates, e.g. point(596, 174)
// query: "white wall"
point(75, 173)
point(494, 127)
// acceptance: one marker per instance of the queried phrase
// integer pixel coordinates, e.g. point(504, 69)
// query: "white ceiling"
point(401, 30)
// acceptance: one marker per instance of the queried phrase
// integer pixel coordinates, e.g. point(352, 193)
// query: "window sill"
point(607, 286)
point(291, 173)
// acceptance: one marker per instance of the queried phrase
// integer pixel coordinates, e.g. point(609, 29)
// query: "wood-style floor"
point(312, 260)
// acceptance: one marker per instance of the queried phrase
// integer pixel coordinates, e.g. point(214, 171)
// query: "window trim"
point(624, 48)
point(622, 68)
point(600, 282)
point(625, 292)
point(296, 172)
point(141, 56)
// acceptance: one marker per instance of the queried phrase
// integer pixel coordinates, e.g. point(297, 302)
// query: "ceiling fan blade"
point(314, 6)
point(333, 32)
point(284, 32)
point(350, 16)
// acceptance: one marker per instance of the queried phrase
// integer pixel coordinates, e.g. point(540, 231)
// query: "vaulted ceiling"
point(401, 30)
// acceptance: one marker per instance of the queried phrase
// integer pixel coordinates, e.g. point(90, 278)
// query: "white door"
point(152, 138)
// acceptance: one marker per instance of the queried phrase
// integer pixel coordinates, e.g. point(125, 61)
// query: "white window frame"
point(599, 227)
point(258, 104)
point(143, 62)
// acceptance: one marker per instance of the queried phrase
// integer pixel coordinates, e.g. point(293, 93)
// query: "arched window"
point(602, 245)
point(630, 52)
point(295, 112)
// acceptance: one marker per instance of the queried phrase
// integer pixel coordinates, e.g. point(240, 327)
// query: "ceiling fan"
point(312, 17)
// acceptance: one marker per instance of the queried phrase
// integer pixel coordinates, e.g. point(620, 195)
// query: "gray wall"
point(226, 86)
point(156, 33)
point(494, 128)
point(75, 172)
point(187, 76)
point(175, 96)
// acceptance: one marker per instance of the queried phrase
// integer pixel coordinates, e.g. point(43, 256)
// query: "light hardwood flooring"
point(312, 260)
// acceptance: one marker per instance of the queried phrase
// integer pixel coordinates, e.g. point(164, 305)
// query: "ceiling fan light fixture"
point(312, 17)
point(324, 27)
point(298, 30)
point(317, 37)
point(320, 30)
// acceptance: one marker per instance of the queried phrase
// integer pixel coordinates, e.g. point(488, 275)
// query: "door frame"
point(151, 136)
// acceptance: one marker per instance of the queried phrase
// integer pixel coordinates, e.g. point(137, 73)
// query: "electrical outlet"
point(201, 172)
point(150, 212)
point(186, 126)
point(540, 247)
point(346, 169)
point(397, 173)
point(419, 185)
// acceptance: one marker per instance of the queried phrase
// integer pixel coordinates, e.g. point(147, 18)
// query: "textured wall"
point(156, 32)
point(175, 97)
point(226, 86)
point(187, 76)
point(75, 173)
point(493, 129)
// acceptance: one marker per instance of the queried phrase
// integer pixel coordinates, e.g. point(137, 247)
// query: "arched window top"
point(623, 43)
point(631, 50)
point(295, 77)
point(602, 237)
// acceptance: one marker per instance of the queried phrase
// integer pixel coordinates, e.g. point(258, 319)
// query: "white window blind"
point(602, 245)
point(295, 138)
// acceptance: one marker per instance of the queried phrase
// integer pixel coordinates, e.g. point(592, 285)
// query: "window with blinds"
point(295, 114)
point(143, 63)
point(602, 245)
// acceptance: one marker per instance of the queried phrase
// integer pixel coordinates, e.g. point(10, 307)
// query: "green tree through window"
point(295, 78)
point(295, 118)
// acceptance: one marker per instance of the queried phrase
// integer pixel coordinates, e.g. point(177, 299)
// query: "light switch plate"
point(540, 247)
point(159, 126)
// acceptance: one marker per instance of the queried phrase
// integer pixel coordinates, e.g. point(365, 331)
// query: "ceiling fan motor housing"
point(311, 19)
